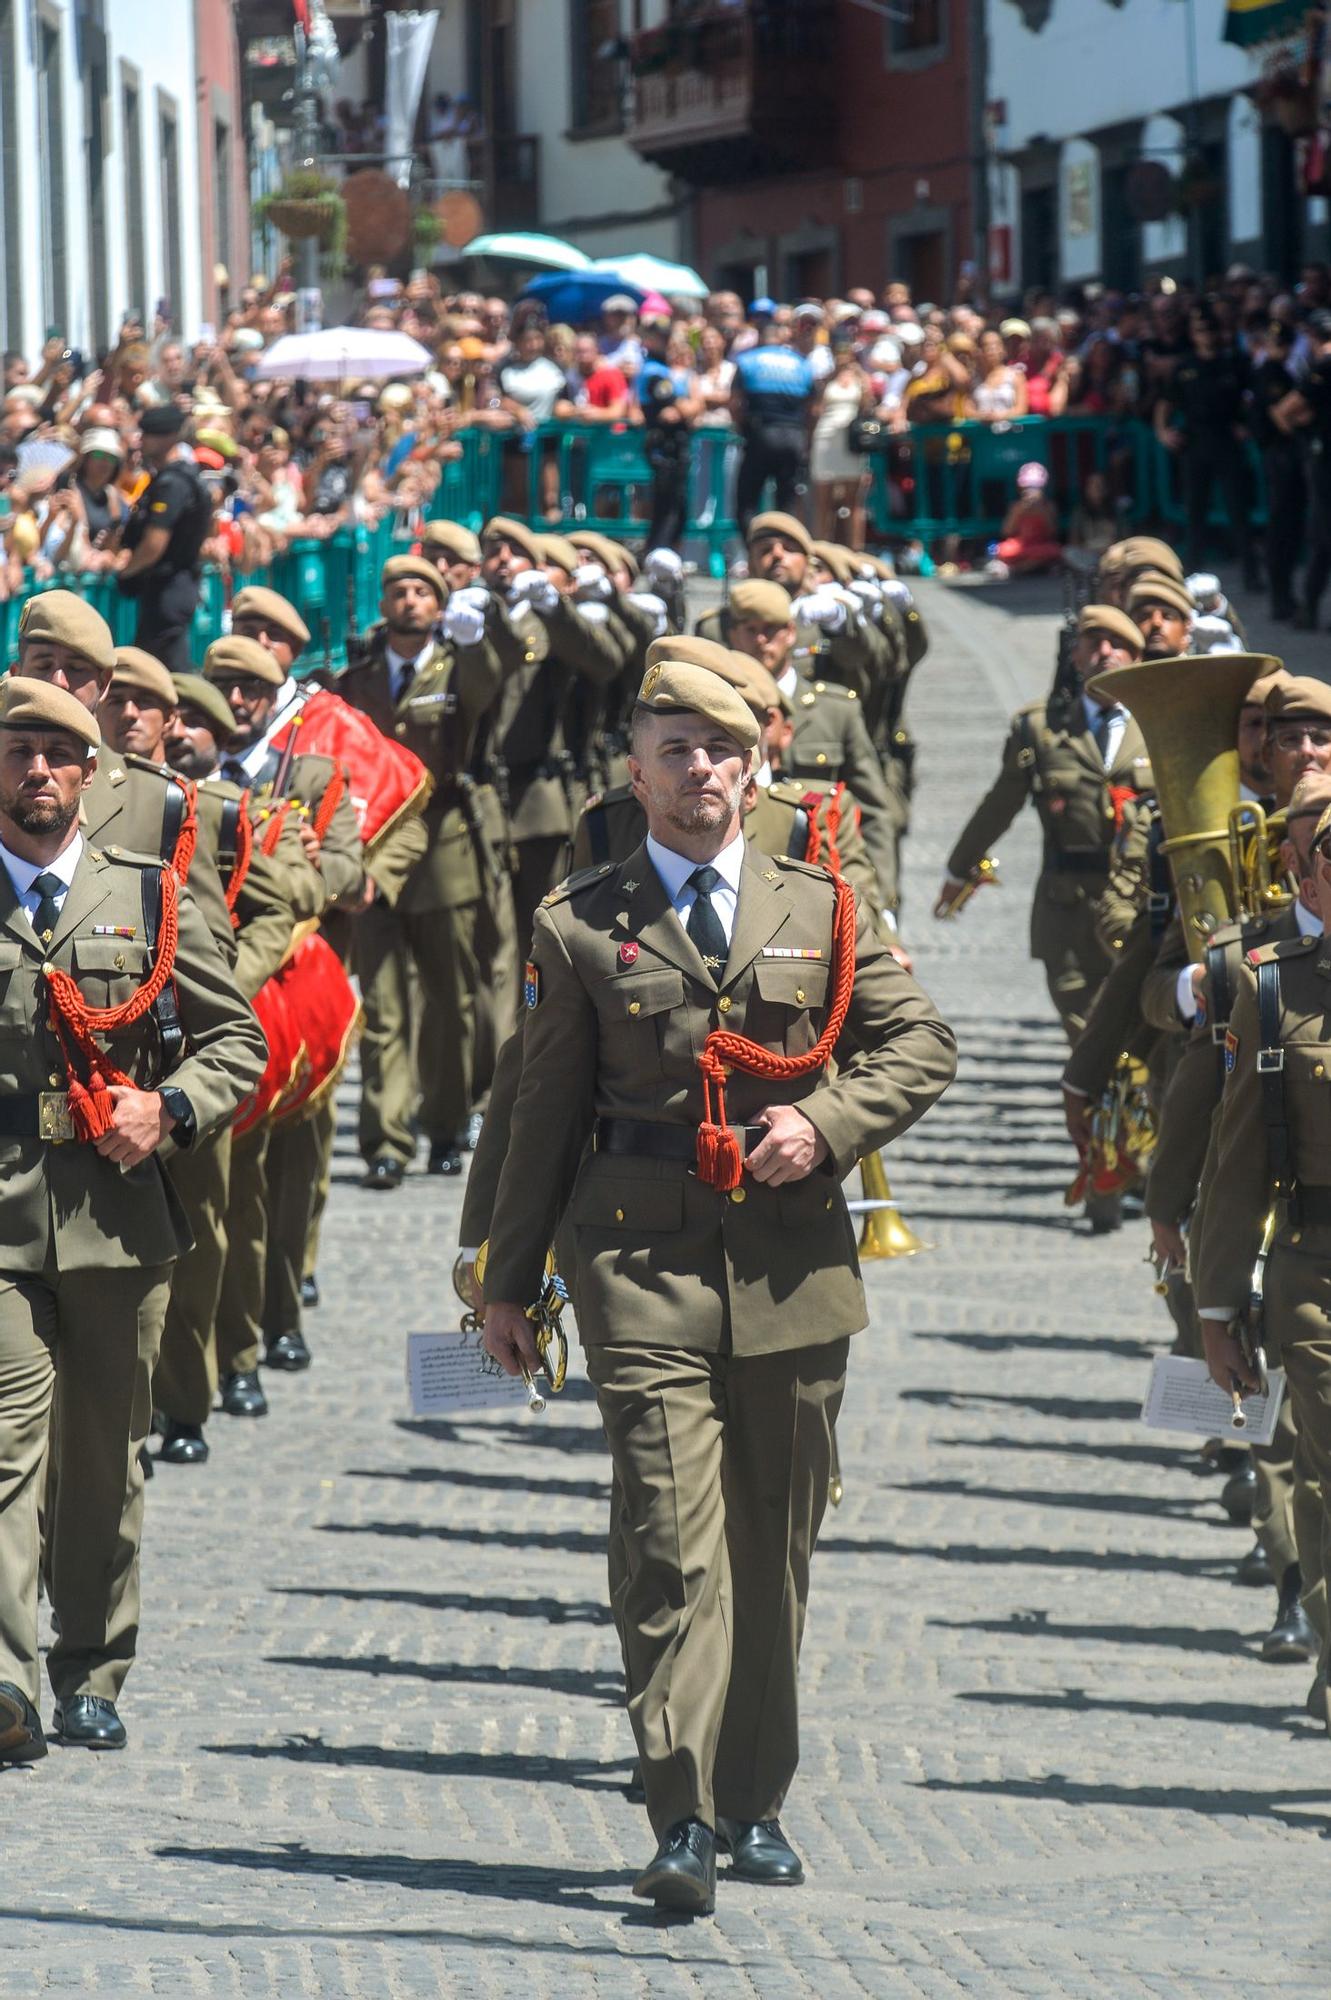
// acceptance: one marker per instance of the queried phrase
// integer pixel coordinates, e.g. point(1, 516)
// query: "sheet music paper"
point(451, 1371)
point(1182, 1397)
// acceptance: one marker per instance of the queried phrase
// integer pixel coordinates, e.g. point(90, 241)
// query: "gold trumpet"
point(983, 871)
point(1254, 858)
point(885, 1232)
point(545, 1316)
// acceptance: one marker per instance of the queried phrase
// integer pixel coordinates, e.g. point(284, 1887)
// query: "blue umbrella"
point(577, 296)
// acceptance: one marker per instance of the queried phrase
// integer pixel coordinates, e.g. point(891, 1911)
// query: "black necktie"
point(704, 926)
point(235, 773)
point(1100, 731)
point(47, 913)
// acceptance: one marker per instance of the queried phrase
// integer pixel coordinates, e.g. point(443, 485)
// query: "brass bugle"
point(885, 1232)
point(983, 871)
point(1239, 1419)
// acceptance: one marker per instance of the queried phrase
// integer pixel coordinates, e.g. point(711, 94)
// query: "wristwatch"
point(182, 1111)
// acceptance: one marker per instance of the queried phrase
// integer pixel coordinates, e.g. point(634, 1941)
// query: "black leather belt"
point(1314, 1204)
point(662, 1142)
point(1076, 864)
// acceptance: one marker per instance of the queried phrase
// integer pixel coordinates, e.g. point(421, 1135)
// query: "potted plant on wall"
point(308, 204)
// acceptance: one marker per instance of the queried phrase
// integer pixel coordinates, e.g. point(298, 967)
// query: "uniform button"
point(120, 961)
point(725, 1003)
point(56, 1079)
point(48, 968)
point(1296, 1236)
point(821, 758)
point(635, 1006)
point(828, 1203)
point(738, 1194)
point(1319, 1069)
point(619, 1215)
point(799, 992)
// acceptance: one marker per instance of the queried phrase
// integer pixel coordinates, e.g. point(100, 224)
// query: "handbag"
point(866, 434)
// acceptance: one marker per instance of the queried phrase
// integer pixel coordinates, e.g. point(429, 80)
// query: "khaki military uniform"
point(432, 926)
point(1234, 1200)
point(1056, 764)
point(87, 1260)
point(714, 1324)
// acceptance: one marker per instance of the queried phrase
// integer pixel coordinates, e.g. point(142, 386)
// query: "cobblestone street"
point(375, 1738)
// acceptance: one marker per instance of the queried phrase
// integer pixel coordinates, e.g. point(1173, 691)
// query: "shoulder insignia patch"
point(531, 984)
point(1231, 1049)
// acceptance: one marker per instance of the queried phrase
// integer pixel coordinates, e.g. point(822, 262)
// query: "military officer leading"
point(717, 1277)
point(90, 1231)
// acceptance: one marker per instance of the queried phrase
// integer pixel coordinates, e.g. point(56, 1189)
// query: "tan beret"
point(137, 669)
point(234, 658)
point(193, 691)
point(1107, 618)
point(769, 603)
point(1153, 588)
point(785, 525)
point(1299, 694)
point(674, 687)
point(738, 669)
point(613, 554)
point(557, 549)
point(1147, 552)
point(450, 538)
point(503, 528)
point(1323, 826)
point(1310, 799)
point(425, 572)
point(842, 562)
point(255, 601)
point(63, 619)
point(1259, 694)
point(30, 704)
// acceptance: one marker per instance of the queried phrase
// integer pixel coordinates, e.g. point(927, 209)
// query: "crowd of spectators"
point(809, 385)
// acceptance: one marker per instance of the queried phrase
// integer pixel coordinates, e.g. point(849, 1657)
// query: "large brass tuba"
point(1188, 712)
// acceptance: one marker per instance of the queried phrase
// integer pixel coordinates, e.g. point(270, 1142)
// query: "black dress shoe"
point(759, 1851)
point(183, 1444)
point(146, 1466)
point(1104, 1212)
point(1292, 1636)
point(309, 1290)
point(444, 1160)
point(287, 1351)
point(1315, 1700)
point(682, 1873)
point(22, 1740)
point(1255, 1569)
point(242, 1395)
point(385, 1176)
point(89, 1722)
point(1238, 1495)
point(635, 1791)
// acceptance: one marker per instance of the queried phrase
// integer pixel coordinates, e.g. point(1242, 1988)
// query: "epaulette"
point(162, 772)
point(1235, 932)
point(1030, 708)
point(573, 884)
point(1264, 954)
point(794, 791)
point(835, 687)
point(616, 795)
point(814, 870)
point(130, 856)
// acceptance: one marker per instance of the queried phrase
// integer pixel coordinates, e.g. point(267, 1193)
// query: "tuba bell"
point(1188, 712)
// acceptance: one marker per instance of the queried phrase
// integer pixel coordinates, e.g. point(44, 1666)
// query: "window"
point(95, 149)
point(916, 33)
point(131, 139)
point(222, 192)
point(168, 158)
point(594, 34)
point(51, 169)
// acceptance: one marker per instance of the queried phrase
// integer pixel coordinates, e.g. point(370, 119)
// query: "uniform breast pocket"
point(12, 984)
point(109, 970)
point(791, 996)
point(632, 1012)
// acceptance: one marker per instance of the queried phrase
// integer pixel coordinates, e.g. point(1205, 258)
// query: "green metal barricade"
point(1167, 472)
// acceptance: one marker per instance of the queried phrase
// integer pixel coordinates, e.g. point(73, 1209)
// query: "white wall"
point(158, 41)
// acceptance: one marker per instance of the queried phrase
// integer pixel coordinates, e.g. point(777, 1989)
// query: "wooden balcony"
point(509, 168)
point(737, 90)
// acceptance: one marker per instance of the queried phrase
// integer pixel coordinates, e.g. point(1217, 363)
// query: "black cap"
point(164, 421)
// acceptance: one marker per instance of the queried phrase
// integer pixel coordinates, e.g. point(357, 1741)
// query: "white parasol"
point(344, 354)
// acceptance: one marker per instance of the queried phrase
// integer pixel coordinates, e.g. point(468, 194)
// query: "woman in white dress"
point(840, 476)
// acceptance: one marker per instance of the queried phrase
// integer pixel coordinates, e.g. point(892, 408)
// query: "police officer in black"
point(1274, 398)
point(1201, 416)
point(164, 536)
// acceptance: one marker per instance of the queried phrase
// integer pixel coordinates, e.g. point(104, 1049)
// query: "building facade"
point(220, 139)
point(1124, 144)
point(99, 177)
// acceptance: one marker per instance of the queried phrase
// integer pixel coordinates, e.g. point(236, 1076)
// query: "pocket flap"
point(11, 956)
point(111, 955)
point(630, 1205)
point(637, 994)
point(792, 982)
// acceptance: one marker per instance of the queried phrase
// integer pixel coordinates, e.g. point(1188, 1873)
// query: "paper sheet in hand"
point(451, 1371)
point(1182, 1397)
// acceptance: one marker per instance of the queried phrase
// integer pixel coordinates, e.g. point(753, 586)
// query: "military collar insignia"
point(629, 888)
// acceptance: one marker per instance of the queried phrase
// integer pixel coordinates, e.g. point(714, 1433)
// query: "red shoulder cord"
point(831, 826)
point(1119, 797)
point(75, 1024)
point(240, 867)
point(720, 1163)
point(272, 833)
point(330, 802)
point(188, 837)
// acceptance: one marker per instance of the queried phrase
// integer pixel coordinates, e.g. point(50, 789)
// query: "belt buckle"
point(54, 1123)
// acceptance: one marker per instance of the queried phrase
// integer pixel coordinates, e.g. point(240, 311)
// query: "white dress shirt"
point(24, 873)
point(403, 668)
point(675, 870)
point(243, 766)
